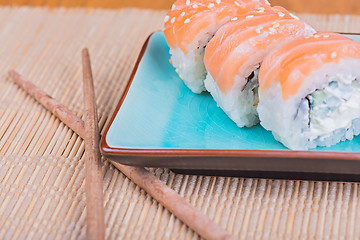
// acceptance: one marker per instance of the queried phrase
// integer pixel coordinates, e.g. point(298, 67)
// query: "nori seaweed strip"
point(309, 104)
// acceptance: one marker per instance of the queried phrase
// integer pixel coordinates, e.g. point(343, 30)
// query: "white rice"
point(190, 68)
point(238, 104)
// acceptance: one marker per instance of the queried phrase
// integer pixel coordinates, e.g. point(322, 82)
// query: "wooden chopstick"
point(93, 177)
point(172, 201)
point(56, 108)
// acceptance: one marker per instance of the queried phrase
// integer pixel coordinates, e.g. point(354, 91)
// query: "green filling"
point(324, 102)
point(317, 98)
point(322, 96)
point(256, 96)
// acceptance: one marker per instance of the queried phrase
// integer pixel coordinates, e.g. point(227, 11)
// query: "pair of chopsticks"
point(88, 130)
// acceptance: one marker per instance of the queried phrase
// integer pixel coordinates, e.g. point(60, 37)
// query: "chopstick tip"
point(11, 72)
point(85, 51)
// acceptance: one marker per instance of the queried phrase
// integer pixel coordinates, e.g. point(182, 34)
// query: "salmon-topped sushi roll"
point(191, 24)
point(234, 55)
point(309, 92)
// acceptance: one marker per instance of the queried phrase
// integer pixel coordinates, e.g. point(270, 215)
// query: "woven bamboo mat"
point(41, 160)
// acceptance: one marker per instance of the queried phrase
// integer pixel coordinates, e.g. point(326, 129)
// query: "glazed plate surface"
point(159, 122)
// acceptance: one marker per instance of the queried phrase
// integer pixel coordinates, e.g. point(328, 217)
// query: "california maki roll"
point(309, 91)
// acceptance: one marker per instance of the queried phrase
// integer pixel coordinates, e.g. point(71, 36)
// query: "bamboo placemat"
point(41, 160)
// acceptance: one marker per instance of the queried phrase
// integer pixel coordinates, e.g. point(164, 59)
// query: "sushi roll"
point(234, 55)
point(309, 91)
point(190, 25)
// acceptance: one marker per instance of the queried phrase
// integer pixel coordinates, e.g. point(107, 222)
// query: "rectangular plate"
point(159, 122)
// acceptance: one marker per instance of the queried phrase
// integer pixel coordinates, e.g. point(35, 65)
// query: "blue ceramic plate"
point(160, 122)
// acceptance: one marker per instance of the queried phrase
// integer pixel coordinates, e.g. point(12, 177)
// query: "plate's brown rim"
point(347, 33)
point(104, 147)
point(111, 151)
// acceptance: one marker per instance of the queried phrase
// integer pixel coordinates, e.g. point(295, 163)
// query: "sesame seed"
point(267, 2)
point(187, 2)
point(187, 20)
point(276, 25)
point(281, 14)
point(234, 19)
point(237, 4)
point(307, 37)
point(182, 14)
point(260, 10)
point(259, 28)
point(272, 30)
point(218, 1)
point(249, 16)
point(173, 7)
point(333, 54)
point(316, 36)
point(294, 16)
point(166, 18)
point(195, 6)
point(173, 20)
point(326, 36)
point(211, 5)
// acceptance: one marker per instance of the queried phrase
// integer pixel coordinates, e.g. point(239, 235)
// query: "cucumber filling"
point(334, 107)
